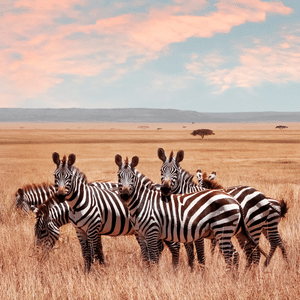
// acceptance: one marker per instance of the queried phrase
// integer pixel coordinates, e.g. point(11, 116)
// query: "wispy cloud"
point(42, 40)
point(279, 63)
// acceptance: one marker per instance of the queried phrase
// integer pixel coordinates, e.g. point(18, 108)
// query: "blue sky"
point(204, 55)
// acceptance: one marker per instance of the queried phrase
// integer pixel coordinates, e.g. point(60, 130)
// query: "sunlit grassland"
point(268, 160)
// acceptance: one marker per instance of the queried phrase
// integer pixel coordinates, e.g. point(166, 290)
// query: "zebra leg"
point(144, 248)
point(247, 248)
point(231, 256)
point(99, 251)
point(174, 249)
point(160, 246)
point(189, 247)
point(85, 248)
point(213, 245)
point(152, 242)
point(272, 235)
point(200, 251)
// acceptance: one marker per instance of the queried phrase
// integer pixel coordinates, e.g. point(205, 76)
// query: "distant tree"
point(281, 127)
point(202, 132)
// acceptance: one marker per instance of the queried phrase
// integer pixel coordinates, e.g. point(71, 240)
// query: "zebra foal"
point(182, 218)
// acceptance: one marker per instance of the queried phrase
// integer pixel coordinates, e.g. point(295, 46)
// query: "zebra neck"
point(187, 184)
point(141, 197)
point(75, 197)
point(59, 214)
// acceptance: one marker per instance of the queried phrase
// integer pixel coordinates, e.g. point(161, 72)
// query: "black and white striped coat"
point(255, 205)
point(47, 229)
point(183, 218)
point(94, 211)
point(259, 218)
point(30, 196)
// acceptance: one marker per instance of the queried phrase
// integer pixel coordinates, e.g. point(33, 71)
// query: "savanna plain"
point(255, 155)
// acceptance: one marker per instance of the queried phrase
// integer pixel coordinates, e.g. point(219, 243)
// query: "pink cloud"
point(47, 50)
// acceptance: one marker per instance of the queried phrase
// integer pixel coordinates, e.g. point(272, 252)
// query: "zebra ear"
point(71, 159)
point(55, 157)
point(118, 160)
point(179, 156)
point(20, 192)
point(212, 175)
point(134, 161)
point(161, 154)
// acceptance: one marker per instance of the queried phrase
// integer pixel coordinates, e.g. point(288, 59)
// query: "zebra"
point(247, 197)
point(92, 211)
point(255, 205)
point(49, 220)
point(30, 196)
point(181, 218)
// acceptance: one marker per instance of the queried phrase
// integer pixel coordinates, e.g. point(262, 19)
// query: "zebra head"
point(126, 176)
point(21, 201)
point(45, 231)
point(207, 183)
point(170, 171)
point(199, 177)
point(63, 175)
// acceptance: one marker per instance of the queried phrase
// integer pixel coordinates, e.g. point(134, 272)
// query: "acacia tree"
point(281, 127)
point(202, 132)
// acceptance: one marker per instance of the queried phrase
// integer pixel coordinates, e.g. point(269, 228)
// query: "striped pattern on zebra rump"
point(262, 215)
point(184, 218)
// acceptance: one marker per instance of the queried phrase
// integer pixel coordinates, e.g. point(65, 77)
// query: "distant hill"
point(140, 115)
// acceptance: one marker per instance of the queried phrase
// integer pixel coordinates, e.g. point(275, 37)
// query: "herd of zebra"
point(175, 211)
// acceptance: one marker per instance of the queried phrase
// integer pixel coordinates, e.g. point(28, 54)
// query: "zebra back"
point(31, 196)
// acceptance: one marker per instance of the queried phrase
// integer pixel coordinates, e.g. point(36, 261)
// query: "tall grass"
point(265, 159)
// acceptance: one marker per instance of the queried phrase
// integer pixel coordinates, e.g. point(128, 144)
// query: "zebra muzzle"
point(166, 188)
point(125, 194)
point(61, 194)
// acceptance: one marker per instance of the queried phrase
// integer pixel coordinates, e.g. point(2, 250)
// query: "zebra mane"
point(145, 180)
point(64, 161)
point(44, 208)
point(126, 162)
point(171, 156)
point(186, 176)
point(78, 173)
point(211, 184)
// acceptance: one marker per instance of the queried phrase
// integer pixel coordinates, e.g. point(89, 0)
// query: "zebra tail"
point(247, 233)
point(284, 208)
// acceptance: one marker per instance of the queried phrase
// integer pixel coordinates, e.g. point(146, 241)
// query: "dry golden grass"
point(256, 155)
